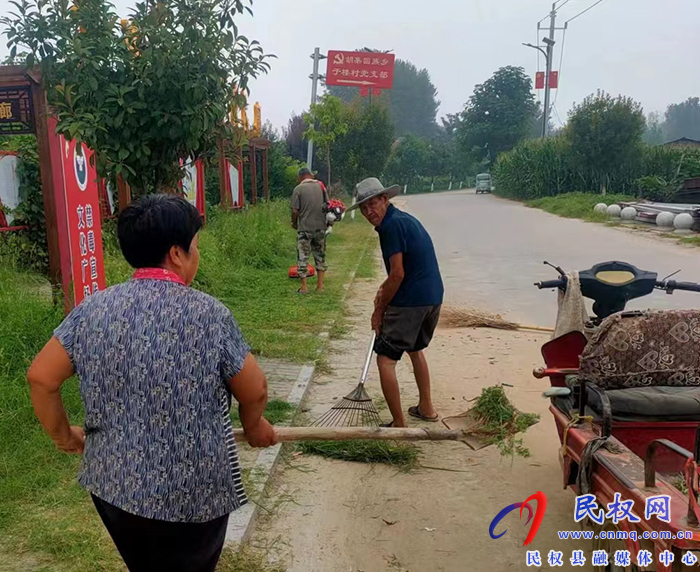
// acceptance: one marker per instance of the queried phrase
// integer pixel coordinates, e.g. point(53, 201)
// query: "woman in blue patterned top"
point(157, 363)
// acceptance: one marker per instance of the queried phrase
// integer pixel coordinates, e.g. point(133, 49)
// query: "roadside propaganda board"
point(16, 110)
point(192, 185)
point(9, 187)
point(360, 69)
point(234, 183)
point(79, 221)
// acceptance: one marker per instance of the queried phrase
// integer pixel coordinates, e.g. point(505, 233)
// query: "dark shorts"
point(406, 330)
point(148, 545)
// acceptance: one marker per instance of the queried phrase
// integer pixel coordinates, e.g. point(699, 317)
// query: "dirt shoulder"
point(356, 517)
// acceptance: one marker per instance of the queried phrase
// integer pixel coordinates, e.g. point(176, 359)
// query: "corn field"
point(544, 168)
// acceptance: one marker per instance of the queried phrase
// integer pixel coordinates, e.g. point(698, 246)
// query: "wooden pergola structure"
point(256, 144)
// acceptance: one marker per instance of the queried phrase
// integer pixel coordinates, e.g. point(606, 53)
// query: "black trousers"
point(148, 545)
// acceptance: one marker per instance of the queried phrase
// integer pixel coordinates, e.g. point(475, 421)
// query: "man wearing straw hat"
point(407, 305)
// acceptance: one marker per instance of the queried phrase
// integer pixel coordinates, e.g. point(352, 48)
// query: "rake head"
point(354, 410)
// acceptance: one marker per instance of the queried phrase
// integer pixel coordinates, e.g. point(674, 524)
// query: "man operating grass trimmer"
point(407, 305)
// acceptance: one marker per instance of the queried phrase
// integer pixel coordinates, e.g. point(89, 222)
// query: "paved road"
point(491, 252)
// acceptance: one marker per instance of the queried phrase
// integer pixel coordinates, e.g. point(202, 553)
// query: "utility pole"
point(550, 50)
point(549, 59)
point(317, 57)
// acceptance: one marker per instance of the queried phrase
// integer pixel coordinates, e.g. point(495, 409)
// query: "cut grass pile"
point(45, 516)
point(502, 422)
point(578, 205)
point(277, 412)
point(401, 455)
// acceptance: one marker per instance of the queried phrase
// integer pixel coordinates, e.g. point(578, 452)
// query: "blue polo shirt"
point(422, 284)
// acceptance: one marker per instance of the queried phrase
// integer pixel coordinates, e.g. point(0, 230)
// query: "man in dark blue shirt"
point(407, 305)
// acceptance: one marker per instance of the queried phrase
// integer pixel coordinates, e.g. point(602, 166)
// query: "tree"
point(364, 150)
point(326, 121)
point(683, 120)
point(282, 169)
point(498, 115)
point(605, 134)
point(294, 137)
point(143, 93)
point(412, 102)
point(654, 131)
point(408, 159)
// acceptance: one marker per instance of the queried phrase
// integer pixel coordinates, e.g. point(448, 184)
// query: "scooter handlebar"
point(547, 284)
point(672, 285)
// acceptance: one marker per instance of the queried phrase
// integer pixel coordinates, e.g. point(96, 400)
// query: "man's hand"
point(74, 443)
point(262, 435)
point(377, 318)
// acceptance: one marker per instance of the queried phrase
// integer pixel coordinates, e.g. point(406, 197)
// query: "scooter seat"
point(645, 403)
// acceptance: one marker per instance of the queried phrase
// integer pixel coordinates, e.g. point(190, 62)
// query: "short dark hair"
point(304, 171)
point(149, 227)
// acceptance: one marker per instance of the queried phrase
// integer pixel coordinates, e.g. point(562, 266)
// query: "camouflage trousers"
point(311, 243)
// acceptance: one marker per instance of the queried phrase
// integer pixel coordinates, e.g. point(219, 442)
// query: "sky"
point(646, 49)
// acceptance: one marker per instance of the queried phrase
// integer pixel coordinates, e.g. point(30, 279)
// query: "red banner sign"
point(83, 220)
point(360, 69)
point(539, 80)
point(554, 80)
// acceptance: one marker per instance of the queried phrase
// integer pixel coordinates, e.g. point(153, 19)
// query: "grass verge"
point(47, 522)
point(401, 455)
point(246, 559)
point(277, 412)
point(578, 205)
point(244, 262)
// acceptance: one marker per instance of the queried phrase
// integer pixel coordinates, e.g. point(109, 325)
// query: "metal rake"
point(355, 409)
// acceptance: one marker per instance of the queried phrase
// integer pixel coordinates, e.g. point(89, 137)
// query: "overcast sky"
point(647, 49)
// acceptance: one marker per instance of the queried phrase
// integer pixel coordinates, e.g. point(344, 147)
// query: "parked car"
point(483, 183)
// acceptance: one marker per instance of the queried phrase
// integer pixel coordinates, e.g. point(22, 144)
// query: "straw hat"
point(372, 187)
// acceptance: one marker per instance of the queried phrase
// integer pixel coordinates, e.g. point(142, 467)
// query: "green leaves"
point(161, 81)
point(498, 114)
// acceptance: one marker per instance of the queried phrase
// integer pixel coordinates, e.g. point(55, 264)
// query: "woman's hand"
point(262, 435)
point(74, 443)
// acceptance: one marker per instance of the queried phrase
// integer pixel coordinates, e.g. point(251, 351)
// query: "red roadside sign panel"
point(83, 219)
point(360, 69)
point(539, 80)
point(554, 80)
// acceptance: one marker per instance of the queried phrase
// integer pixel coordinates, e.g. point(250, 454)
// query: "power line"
point(539, 92)
point(555, 9)
point(586, 10)
point(556, 112)
point(561, 59)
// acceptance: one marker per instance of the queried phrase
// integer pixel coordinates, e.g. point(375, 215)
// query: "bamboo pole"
point(285, 434)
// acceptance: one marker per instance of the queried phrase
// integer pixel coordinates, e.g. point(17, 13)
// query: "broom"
point(457, 317)
point(355, 409)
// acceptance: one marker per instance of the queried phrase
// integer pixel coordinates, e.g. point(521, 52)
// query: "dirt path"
point(340, 514)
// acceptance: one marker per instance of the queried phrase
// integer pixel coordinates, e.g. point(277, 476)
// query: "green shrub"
point(542, 168)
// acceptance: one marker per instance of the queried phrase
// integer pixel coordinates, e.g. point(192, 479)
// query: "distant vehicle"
point(483, 183)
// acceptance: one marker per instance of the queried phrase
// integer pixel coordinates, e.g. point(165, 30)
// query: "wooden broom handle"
point(347, 433)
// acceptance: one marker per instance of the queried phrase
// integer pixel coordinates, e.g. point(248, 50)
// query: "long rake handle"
point(368, 361)
point(285, 434)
